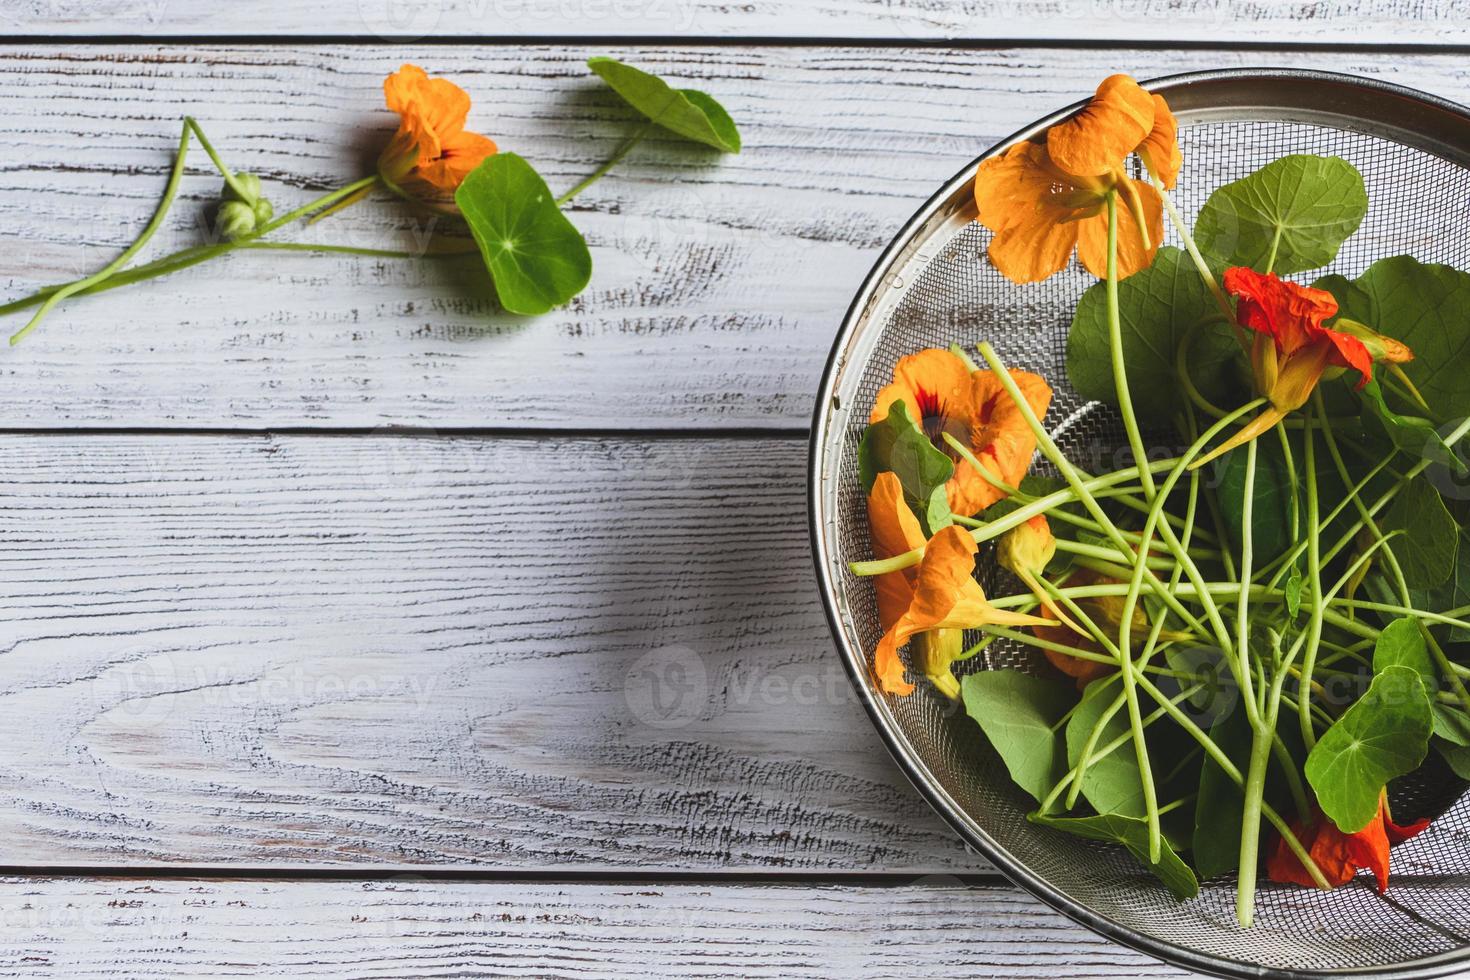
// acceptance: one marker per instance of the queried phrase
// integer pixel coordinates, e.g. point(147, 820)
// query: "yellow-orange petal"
point(1029, 205)
point(461, 154)
point(1092, 236)
point(1095, 140)
point(999, 438)
point(893, 529)
point(928, 381)
point(1160, 149)
point(1035, 250)
point(888, 666)
point(434, 109)
point(945, 594)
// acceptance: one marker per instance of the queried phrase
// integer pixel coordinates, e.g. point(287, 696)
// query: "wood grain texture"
point(183, 928)
point(508, 653)
point(718, 286)
point(1334, 21)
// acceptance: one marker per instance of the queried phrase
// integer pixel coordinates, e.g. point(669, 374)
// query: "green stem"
point(177, 261)
point(169, 192)
point(1228, 766)
point(1250, 827)
point(229, 175)
point(1175, 218)
point(1120, 385)
point(611, 162)
point(1275, 244)
point(1314, 582)
point(1020, 515)
point(377, 253)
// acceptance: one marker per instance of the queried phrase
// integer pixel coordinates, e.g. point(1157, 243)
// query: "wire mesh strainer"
point(933, 286)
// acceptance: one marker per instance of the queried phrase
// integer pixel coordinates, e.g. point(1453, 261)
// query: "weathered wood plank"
point(718, 283)
point(514, 653)
point(936, 927)
point(1336, 21)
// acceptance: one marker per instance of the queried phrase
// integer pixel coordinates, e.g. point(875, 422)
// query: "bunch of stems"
point(1216, 593)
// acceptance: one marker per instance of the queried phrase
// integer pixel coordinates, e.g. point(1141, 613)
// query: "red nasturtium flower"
point(1339, 856)
point(939, 593)
point(943, 395)
point(432, 153)
point(1292, 349)
point(1042, 200)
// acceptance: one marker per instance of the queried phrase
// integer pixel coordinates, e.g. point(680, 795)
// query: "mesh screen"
point(1419, 204)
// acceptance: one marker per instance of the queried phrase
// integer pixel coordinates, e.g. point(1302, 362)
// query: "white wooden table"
point(338, 605)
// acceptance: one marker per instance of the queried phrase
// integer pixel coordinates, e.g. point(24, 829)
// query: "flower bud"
point(242, 210)
point(235, 220)
point(1380, 348)
point(1026, 548)
point(937, 651)
point(249, 184)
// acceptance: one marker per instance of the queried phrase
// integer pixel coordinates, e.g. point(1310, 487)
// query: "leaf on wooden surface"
point(536, 257)
point(689, 113)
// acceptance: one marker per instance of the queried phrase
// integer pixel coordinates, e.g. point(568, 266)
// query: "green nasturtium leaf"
point(1132, 833)
point(1161, 307)
point(1019, 714)
point(1429, 544)
point(1457, 756)
point(898, 445)
point(1382, 736)
point(1112, 784)
point(1414, 435)
point(690, 113)
point(1290, 216)
point(536, 257)
point(1454, 594)
point(1402, 644)
point(1428, 308)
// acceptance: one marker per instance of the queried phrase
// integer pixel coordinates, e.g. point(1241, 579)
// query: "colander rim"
point(1452, 134)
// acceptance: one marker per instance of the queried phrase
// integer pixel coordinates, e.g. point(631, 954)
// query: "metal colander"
point(933, 286)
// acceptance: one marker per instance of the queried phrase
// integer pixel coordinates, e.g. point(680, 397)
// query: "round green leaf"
point(1019, 715)
point(1428, 308)
point(1291, 215)
point(536, 257)
point(1384, 735)
point(687, 112)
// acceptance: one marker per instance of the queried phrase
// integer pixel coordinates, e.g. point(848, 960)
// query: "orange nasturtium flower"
point(432, 153)
point(939, 593)
point(943, 395)
point(1339, 856)
point(1042, 200)
point(1292, 349)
